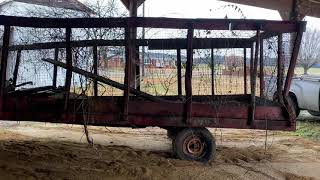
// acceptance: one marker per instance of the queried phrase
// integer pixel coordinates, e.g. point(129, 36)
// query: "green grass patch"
point(308, 129)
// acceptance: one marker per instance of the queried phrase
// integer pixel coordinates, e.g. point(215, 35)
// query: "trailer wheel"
point(194, 144)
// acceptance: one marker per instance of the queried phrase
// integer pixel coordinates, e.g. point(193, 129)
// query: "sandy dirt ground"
point(54, 151)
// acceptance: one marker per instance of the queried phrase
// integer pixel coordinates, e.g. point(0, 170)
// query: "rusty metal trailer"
point(185, 116)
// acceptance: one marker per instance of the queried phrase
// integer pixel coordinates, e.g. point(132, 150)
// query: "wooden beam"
point(3, 65)
point(280, 69)
point(179, 74)
point(212, 72)
point(148, 22)
point(16, 68)
point(254, 81)
point(105, 81)
point(55, 68)
point(245, 70)
point(95, 70)
point(68, 67)
point(261, 69)
point(188, 77)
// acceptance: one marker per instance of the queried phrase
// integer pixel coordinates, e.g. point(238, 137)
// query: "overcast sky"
point(211, 9)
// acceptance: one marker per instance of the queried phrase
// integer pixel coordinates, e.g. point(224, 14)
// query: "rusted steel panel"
point(261, 69)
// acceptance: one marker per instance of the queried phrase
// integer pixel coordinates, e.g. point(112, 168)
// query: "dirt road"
point(52, 151)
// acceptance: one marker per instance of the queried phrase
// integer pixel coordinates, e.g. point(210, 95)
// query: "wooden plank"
point(199, 43)
point(3, 65)
point(106, 81)
point(212, 72)
point(293, 62)
point(261, 69)
point(254, 81)
point(179, 74)
point(188, 77)
point(95, 70)
point(175, 23)
point(55, 68)
point(68, 67)
point(280, 69)
point(153, 44)
point(16, 68)
point(245, 70)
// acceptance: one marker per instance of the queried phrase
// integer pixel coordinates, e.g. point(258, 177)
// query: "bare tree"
point(310, 49)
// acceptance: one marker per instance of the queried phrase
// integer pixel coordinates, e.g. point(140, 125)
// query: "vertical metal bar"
point(261, 69)
point(16, 68)
point(245, 70)
point(55, 67)
point(212, 72)
point(4, 61)
point(127, 76)
point(293, 62)
point(179, 73)
point(280, 69)
point(188, 76)
point(254, 80)
point(95, 70)
point(69, 68)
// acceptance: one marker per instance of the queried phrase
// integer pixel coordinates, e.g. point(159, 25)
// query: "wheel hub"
point(194, 146)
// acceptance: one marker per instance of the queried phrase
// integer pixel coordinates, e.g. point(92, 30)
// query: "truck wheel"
point(294, 102)
point(194, 144)
point(314, 113)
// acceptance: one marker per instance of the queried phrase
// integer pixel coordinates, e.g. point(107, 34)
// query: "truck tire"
point(194, 144)
point(294, 102)
point(314, 113)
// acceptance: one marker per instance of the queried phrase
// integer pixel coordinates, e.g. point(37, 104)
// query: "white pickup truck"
point(304, 92)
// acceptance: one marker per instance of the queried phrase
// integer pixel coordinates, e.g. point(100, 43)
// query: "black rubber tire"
point(172, 132)
point(314, 113)
point(203, 135)
point(294, 101)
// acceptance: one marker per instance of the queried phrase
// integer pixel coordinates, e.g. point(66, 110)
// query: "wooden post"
point(261, 69)
point(212, 72)
point(245, 70)
point(135, 65)
point(16, 68)
point(188, 76)
point(69, 67)
point(280, 69)
point(293, 62)
point(95, 70)
point(4, 61)
point(254, 80)
point(55, 68)
point(127, 76)
point(179, 73)
point(251, 64)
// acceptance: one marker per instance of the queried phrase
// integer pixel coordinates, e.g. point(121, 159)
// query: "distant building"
point(44, 8)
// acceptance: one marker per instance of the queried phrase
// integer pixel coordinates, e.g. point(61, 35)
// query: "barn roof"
point(66, 4)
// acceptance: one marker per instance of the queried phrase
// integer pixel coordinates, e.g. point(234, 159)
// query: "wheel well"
point(294, 98)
